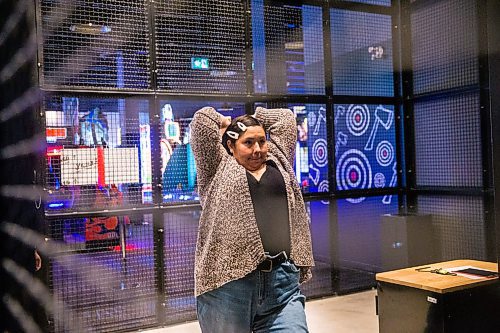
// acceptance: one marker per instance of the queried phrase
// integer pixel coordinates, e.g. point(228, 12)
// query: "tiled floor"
point(354, 313)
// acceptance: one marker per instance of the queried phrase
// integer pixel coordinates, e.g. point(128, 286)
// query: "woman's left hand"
point(224, 124)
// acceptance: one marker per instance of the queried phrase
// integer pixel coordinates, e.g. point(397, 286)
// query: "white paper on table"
point(469, 276)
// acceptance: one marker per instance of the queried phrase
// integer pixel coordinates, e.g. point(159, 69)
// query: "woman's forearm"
point(282, 128)
point(206, 143)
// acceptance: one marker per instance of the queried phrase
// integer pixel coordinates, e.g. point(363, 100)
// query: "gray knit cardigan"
point(229, 245)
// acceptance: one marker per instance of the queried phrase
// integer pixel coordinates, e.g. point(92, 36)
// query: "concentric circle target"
point(353, 171)
point(323, 186)
point(319, 152)
point(357, 119)
point(355, 200)
point(384, 153)
point(379, 180)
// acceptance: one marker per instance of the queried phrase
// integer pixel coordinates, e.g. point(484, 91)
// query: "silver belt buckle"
point(270, 266)
point(270, 259)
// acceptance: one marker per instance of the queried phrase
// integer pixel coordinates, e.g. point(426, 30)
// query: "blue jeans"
point(259, 302)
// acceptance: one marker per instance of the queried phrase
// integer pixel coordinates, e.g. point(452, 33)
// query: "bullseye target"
point(319, 152)
point(323, 186)
point(353, 171)
point(357, 119)
point(384, 153)
point(379, 180)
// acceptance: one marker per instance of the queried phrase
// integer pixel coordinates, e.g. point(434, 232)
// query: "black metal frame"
point(329, 99)
point(18, 170)
point(493, 32)
point(484, 95)
point(249, 99)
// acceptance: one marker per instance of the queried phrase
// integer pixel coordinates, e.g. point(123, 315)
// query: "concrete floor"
point(339, 314)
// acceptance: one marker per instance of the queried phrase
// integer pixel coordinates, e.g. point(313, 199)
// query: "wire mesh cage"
point(448, 141)
point(287, 48)
point(178, 170)
point(372, 2)
point(358, 240)
point(95, 44)
point(444, 45)
point(365, 146)
point(311, 151)
point(361, 53)
point(200, 46)
point(103, 147)
point(181, 230)
point(98, 153)
point(322, 236)
point(458, 224)
point(102, 273)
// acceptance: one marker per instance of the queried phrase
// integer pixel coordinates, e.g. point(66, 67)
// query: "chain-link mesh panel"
point(322, 237)
point(365, 146)
point(200, 46)
point(311, 153)
point(372, 2)
point(98, 153)
point(362, 53)
point(181, 229)
point(103, 275)
point(458, 224)
point(444, 45)
point(95, 44)
point(448, 142)
point(287, 49)
point(178, 166)
point(358, 242)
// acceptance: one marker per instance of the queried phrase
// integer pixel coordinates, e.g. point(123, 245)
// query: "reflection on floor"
point(339, 314)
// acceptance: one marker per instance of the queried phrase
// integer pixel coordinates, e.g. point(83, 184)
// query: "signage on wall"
point(53, 134)
point(103, 166)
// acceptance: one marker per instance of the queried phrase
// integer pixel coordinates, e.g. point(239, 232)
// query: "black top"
point(271, 209)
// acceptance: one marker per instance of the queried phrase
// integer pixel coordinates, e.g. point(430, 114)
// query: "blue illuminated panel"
point(287, 53)
point(359, 239)
point(365, 147)
point(311, 152)
point(362, 53)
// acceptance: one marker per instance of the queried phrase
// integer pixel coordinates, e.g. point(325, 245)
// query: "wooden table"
point(413, 301)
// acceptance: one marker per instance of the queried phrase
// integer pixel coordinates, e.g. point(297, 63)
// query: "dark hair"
point(245, 120)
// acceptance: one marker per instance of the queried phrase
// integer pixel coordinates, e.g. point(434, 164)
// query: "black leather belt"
point(271, 262)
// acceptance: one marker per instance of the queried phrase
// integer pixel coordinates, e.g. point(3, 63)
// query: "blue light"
point(200, 63)
point(56, 205)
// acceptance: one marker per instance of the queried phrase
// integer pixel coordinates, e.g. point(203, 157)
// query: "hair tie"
point(242, 126)
point(232, 134)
